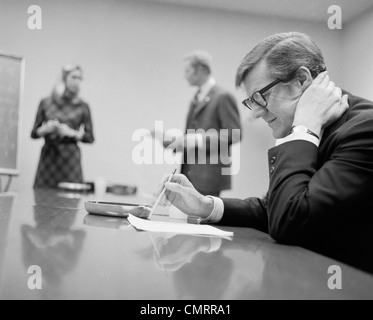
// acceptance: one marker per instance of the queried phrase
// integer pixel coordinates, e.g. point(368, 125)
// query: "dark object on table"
point(121, 189)
point(76, 187)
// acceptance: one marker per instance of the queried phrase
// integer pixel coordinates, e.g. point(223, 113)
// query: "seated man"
point(321, 170)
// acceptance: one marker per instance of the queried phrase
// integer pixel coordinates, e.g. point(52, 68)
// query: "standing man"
point(213, 116)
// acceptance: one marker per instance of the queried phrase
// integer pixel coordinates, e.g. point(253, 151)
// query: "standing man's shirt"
point(205, 89)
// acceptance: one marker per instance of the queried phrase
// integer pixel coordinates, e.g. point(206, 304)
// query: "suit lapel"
point(190, 116)
point(201, 105)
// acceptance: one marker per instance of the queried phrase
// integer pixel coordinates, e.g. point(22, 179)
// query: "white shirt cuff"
point(299, 136)
point(217, 213)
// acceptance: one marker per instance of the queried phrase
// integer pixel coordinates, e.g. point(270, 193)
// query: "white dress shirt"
point(205, 89)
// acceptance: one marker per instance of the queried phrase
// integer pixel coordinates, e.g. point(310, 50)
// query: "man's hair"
point(199, 59)
point(284, 53)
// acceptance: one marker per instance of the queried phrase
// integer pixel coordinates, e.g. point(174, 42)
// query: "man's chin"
point(278, 134)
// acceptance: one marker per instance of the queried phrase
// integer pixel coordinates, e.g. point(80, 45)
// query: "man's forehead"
point(188, 65)
point(257, 78)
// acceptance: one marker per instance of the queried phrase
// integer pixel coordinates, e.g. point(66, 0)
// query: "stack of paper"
point(175, 227)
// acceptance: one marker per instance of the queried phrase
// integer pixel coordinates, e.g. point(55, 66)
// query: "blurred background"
point(132, 53)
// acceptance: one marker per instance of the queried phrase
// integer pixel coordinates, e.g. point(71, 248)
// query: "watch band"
point(306, 130)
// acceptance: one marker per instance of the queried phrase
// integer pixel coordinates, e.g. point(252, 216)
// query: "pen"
point(160, 195)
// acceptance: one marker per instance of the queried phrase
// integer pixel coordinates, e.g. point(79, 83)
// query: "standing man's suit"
point(218, 110)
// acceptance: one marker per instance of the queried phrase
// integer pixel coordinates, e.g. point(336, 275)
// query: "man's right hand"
point(181, 193)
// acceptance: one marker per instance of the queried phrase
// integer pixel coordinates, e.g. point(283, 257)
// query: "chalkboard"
point(11, 87)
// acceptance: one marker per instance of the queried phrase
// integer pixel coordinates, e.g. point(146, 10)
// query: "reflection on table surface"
point(83, 256)
point(6, 204)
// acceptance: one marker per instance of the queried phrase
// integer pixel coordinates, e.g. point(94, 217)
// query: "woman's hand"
point(48, 128)
point(65, 131)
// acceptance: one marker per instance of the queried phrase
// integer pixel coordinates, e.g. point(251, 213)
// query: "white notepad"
point(175, 227)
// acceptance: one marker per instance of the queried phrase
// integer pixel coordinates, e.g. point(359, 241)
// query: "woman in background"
point(63, 119)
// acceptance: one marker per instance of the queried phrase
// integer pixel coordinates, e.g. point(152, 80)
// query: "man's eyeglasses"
point(258, 96)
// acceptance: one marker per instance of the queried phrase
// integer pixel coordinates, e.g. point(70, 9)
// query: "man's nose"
point(259, 112)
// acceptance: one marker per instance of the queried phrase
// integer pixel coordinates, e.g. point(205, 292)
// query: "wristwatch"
point(300, 128)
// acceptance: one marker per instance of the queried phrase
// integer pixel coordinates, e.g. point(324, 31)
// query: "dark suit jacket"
point(217, 111)
point(320, 198)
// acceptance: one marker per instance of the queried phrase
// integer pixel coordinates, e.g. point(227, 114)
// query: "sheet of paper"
point(175, 227)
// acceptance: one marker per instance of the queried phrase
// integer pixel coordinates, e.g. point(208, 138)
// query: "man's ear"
point(303, 77)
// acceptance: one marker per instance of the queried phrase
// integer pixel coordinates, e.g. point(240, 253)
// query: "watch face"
point(299, 129)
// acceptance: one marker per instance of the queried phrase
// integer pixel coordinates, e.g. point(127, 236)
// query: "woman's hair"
point(284, 53)
point(60, 88)
point(68, 68)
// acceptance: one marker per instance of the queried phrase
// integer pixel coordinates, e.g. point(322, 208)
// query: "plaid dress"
point(60, 159)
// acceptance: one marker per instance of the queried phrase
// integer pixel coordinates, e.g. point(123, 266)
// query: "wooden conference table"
point(90, 257)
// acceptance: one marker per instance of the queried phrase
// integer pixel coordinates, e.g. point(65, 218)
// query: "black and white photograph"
point(186, 155)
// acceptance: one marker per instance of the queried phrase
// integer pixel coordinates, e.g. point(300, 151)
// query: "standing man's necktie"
point(193, 106)
point(196, 97)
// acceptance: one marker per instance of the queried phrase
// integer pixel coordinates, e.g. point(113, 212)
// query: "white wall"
point(358, 56)
point(132, 53)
